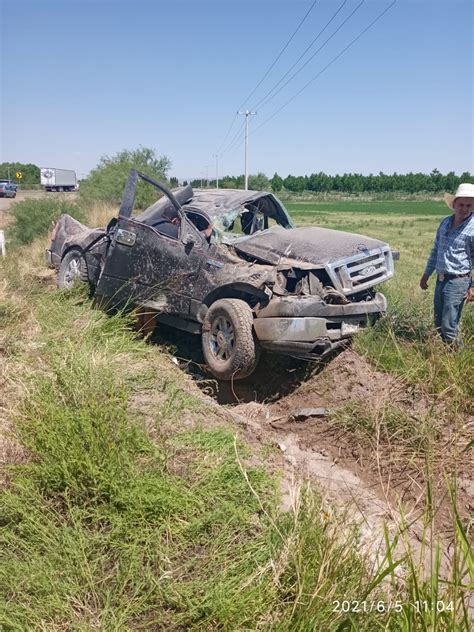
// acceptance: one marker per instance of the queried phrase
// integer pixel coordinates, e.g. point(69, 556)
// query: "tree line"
point(146, 160)
point(30, 173)
point(434, 182)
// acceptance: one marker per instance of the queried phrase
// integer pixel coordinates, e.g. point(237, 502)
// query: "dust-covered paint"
point(309, 288)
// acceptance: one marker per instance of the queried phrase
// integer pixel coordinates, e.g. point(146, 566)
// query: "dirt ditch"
point(312, 420)
point(379, 474)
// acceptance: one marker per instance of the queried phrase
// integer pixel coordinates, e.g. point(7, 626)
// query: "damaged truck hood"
point(310, 245)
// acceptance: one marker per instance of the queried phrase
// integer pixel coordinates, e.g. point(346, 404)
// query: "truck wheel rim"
point(73, 271)
point(222, 340)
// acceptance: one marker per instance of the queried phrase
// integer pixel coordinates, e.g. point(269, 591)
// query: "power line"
point(238, 141)
point(302, 55)
point(314, 54)
point(226, 136)
point(334, 59)
point(239, 136)
point(235, 138)
point(278, 56)
point(265, 75)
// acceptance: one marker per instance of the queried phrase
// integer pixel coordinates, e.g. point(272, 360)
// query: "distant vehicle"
point(7, 189)
point(14, 185)
point(58, 179)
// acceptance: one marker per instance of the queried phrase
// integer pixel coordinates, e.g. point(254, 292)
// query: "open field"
point(140, 494)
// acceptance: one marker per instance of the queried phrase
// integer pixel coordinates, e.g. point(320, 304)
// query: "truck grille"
point(361, 271)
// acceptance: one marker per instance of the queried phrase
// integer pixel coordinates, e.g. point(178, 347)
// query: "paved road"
point(21, 195)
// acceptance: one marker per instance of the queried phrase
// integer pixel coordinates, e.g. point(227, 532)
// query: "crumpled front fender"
point(314, 306)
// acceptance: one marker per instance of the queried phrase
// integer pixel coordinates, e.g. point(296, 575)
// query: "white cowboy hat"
point(463, 190)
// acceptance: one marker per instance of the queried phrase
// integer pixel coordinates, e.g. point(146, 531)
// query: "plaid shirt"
point(453, 250)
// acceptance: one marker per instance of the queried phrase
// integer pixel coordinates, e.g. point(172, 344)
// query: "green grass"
point(371, 207)
point(133, 508)
point(108, 529)
point(34, 217)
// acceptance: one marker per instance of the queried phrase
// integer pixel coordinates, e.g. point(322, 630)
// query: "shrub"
point(107, 181)
point(33, 218)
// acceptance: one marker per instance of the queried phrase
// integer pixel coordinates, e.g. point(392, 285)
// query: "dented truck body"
point(256, 281)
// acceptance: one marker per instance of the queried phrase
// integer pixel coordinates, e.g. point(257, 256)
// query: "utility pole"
point(216, 156)
point(207, 176)
point(247, 114)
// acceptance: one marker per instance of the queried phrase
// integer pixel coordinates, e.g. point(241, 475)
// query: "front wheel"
point(73, 268)
point(229, 345)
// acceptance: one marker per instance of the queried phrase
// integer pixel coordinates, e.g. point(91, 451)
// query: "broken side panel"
point(143, 265)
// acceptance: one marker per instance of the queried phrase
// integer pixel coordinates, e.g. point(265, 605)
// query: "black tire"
point(73, 268)
point(229, 345)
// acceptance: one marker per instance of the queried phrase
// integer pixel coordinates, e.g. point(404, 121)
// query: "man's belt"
point(444, 276)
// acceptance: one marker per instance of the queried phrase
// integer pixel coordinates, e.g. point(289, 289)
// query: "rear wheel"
point(229, 345)
point(73, 268)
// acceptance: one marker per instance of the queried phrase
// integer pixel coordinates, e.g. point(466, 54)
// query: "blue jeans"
point(448, 303)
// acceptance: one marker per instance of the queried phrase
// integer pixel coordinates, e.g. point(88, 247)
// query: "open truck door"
point(146, 267)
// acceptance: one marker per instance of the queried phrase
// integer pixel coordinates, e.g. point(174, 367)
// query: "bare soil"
point(280, 387)
point(375, 480)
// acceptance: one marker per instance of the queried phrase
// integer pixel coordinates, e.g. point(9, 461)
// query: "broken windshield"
point(247, 219)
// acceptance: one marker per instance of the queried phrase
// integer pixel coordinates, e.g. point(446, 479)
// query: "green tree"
point(259, 182)
point(106, 182)
point(276, 182)
point(30, 173)
point(466, 177)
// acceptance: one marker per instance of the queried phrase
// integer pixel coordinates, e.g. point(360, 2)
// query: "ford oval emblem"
point(368, 271)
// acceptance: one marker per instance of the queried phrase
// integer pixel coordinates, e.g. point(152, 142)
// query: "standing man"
point(452, 258)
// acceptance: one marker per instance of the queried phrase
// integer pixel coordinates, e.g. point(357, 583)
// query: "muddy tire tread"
point(245, 359)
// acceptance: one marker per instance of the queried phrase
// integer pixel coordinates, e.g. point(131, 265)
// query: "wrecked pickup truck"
point(228, 265)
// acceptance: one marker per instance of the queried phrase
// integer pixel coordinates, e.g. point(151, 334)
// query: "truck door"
point(144, 266)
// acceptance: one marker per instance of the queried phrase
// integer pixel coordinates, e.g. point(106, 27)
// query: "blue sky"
point(84, 79)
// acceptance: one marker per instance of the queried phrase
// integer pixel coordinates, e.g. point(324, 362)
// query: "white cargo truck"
point(58, 179)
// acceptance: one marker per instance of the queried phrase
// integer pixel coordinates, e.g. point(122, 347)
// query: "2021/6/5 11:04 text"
point(347, 605)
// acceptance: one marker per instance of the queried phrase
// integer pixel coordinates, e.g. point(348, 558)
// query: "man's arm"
point(431, 263)
point(470, 254)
